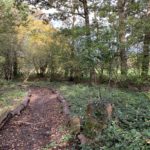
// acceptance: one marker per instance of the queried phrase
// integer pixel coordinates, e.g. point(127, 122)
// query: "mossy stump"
point(98, 116)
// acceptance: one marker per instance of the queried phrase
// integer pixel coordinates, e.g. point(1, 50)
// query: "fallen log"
point(22, 106)
point(73, 122)
point(65, 105)
point(17, 111)
point(5, 118)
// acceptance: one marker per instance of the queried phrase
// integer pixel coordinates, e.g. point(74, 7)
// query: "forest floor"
point(40, 126)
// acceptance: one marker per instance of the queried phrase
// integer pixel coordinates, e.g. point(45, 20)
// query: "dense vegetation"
point(112, 44)
point(131, 125)
point(105, 43)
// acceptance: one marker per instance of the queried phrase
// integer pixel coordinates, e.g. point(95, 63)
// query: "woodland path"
point(38, 125)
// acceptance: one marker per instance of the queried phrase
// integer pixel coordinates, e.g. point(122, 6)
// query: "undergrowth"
point(129, 129)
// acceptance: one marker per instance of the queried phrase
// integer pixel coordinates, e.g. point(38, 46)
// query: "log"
point(22, 106)
point(26, 101)
point(6, 117)
point(65, 105)
point(3, 115)
point(66, 109)
point(17, 111)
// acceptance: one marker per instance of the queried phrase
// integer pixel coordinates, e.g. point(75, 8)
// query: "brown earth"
point(40, 124)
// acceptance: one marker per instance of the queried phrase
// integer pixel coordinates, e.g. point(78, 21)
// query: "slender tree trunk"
point(8, 66)
point(35, 66)
point(52, 74)
point(122, 39)
point(86, 14)
point(15, 65)
point(43, 70)
point(52, 69)
point(66, 74)
point(72, 69)
point(146, 56)
point(71, 75)
point(146, 48)
point(87, 25)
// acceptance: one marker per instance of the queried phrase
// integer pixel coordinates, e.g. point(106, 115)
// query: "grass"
point(11, 96)
point(132, 109)
point(79, 96)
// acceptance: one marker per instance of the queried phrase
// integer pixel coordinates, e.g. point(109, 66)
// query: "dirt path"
point(40, 124)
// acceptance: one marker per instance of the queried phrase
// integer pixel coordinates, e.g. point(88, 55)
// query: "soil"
point(40, 124)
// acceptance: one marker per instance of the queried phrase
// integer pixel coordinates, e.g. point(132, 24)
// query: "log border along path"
point(39, 121)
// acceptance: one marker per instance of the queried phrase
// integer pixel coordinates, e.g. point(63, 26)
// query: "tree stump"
point(98, 116)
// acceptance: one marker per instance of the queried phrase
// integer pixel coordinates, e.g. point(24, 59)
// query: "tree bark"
point(86, 14)
point(146, 48)
point(15, 65)
point(42, 70)
point(122, 39)
point(88, 32)
point(8, 66)
point(146, 57)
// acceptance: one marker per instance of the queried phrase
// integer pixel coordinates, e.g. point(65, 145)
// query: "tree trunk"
point(86, 14)
point(52, 73)
point(66, 74)
point(122, 39)
point(146, 57)
point(8, 67)
point(15, 65)
point(146, 49)
point(72, 56)
point(87, 25)
point(71, 75)
point(43, 70)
